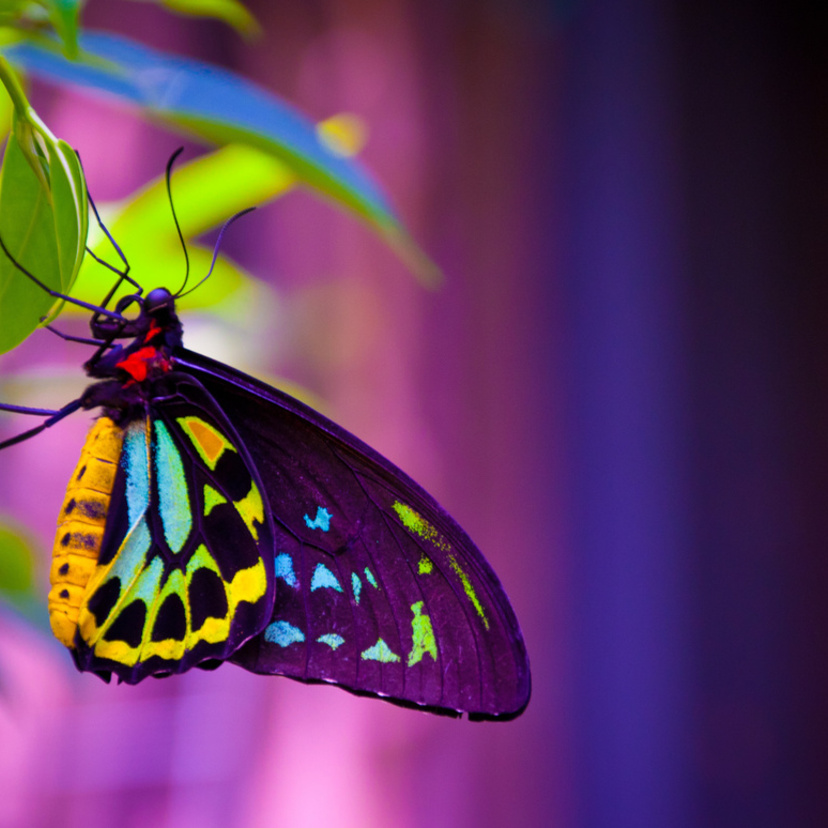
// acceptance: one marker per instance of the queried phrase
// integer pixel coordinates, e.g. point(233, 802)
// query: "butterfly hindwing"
point(377, 588)
point(185, 571)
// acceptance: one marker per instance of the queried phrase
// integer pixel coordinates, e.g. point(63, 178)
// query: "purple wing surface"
point(378, 590)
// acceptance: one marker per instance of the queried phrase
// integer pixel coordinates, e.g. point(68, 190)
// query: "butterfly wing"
point(377, 588)
point(185, 570)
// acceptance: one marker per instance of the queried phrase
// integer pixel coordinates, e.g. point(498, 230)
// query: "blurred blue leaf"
point(222, 107)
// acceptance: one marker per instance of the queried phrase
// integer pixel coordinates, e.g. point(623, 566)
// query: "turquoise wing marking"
point(173, 492)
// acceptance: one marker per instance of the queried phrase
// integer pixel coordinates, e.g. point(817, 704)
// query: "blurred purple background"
point(619, 392)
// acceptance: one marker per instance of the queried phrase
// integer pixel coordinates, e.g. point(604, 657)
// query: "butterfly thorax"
point(132, 372)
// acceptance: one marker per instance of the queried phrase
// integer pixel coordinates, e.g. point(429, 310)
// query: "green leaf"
point(43, 223)
point(230, 11)
point(225, 108)
point(6, 113)
point(43, 218)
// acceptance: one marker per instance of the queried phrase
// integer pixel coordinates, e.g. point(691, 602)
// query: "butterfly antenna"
point(72, 301)
point(168, 176)
point(216, 249)
point(123, 275)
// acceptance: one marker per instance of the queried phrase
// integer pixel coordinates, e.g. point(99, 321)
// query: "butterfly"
point(214, 518)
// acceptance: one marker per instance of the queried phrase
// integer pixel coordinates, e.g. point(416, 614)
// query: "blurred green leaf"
point(18, 587)
point(224, 108)
point(207, 192)
point(230, 11)
point(162, 265)
point(29, 16)
point(17, 563)
point(10, 11)
point(63, 15)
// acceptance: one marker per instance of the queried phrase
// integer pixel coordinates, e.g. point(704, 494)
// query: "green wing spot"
point(148, 584)
point(251, 509)
point(371, 579)
point(135, 462)
point(284, 569)
point(284, 634)
point(424, 566)
point(208, 441)
point(332, 640)
point(468, 589)
point(173, 495)
point(423, 634)
point(379, 652)
point(323, 578)
point(356, 585)
point(212, 498)
point(321, 521)
point(418, 525)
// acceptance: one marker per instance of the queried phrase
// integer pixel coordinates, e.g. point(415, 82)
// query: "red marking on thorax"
point(139, 363)
point(154, 330)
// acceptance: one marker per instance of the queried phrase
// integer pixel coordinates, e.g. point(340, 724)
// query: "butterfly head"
point(156, 332)
point(158, 313)
point(159, 301)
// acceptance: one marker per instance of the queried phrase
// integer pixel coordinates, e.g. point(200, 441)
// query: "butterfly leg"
point(52, 418)
point(56, 294)
point(83, 340)
point(123, 275)
point(25, 409)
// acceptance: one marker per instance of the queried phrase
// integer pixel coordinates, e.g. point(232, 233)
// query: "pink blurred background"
point(619, 392)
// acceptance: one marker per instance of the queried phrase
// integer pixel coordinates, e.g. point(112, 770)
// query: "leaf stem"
point(15, 90)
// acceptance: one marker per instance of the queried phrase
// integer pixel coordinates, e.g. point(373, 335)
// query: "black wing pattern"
point(185, 571)
point(377, 588)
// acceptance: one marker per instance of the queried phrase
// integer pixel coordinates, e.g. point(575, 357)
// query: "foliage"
point(43, 218)
point(210, 103)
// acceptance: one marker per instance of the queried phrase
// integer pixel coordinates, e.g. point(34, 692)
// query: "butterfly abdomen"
point(81, 526)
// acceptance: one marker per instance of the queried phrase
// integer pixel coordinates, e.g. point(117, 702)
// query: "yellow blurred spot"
point(344, 134)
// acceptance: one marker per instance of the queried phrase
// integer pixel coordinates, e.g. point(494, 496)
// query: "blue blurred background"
point(619, 392)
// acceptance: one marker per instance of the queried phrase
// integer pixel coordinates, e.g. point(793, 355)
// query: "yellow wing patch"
point(418, 525)
point(247, 585)
point(251, 508)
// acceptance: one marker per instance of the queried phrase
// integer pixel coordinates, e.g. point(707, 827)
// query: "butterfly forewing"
point(185, 572)
point(377, 588)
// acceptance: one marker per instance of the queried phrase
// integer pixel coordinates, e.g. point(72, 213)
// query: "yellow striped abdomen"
point(81, 526)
